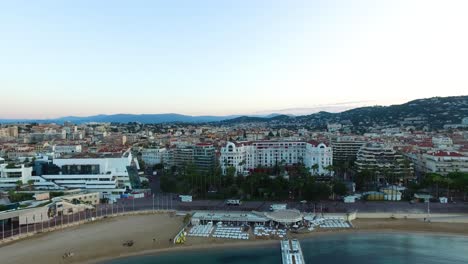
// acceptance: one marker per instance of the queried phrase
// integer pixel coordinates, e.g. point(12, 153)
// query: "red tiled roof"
point(446, 154)
point(204, 144)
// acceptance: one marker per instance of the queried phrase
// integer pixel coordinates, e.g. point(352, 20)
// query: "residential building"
point(384, 162)
point(9, 132)
point(182, 155)
point(204, 157)
point(66, 149)
point(334, 127)
point(346, 148)
point(445, 162)
point(442, 142)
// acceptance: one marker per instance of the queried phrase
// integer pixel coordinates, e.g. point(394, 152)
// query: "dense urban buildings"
point(115, 158)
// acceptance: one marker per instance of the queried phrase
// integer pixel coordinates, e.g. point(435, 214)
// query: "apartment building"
point(346, 148)
point(445, 162)
point(383, 161)
point(204, 157)
point(66, 149)
point(9, 132)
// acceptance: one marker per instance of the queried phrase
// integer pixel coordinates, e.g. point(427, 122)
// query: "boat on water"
point(291, 252)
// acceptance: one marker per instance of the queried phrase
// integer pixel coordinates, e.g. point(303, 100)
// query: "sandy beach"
point(95, 242)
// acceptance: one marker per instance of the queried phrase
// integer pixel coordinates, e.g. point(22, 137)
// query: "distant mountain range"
point(432, 112)
point(126, 118)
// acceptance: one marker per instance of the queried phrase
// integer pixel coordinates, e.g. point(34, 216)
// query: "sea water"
point(338, 248)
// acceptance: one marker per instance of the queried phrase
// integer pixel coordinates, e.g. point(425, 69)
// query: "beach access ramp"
point(291, 252)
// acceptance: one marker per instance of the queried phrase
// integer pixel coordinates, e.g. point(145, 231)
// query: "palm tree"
point(315, 168)
point(331, 169)
point(435, 179)
point(18, 185)
point(30, 184)
point(448, 181)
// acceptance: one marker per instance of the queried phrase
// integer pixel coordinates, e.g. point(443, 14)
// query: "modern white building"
point(103, 173)
point(246, 156)
point(10, 175)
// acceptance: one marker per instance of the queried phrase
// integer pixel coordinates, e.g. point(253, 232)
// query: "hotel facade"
point(246, 156)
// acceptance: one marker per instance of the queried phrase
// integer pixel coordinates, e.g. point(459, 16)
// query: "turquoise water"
point(339, 248)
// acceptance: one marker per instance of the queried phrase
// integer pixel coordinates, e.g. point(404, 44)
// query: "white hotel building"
point(245, 156)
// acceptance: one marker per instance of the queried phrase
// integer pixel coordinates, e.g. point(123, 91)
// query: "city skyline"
point(219, 58)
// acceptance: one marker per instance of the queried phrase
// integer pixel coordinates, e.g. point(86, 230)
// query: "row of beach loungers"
point(230, 232)
point(219, 232)
point(335, 224)
point(201, 231)
point(261, 231)
point(329, 222)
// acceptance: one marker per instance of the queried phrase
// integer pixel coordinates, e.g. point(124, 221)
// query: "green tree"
point(317, 191)
point(228, 179)
point(315, 168)
point(331, 169)
point(30, 185)
point(339, 188)
point(18, 185)
point(460, 182)
point(279, 188)
point(168, 184)
point(363, 179)
point(299, 177)
point(145, 184)
point(434, 180)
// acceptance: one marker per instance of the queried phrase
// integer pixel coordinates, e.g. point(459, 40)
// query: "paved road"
point(168, 201)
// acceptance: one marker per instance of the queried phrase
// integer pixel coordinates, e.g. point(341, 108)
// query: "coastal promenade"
point(456, 213)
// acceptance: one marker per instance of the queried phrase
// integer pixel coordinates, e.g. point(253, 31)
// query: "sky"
point(222, 57)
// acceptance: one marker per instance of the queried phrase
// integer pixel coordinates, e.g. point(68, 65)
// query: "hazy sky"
point(221, 57)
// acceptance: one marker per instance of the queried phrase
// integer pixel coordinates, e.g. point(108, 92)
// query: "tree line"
point(260, 184)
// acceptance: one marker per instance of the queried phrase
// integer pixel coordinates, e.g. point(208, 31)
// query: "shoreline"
point(271, 242)
point(101, 241)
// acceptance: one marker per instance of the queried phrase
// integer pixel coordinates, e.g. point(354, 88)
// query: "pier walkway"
point(291, 252)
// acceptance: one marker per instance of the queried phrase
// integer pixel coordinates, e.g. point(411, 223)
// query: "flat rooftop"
point(87, 155)
point(230, 216)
